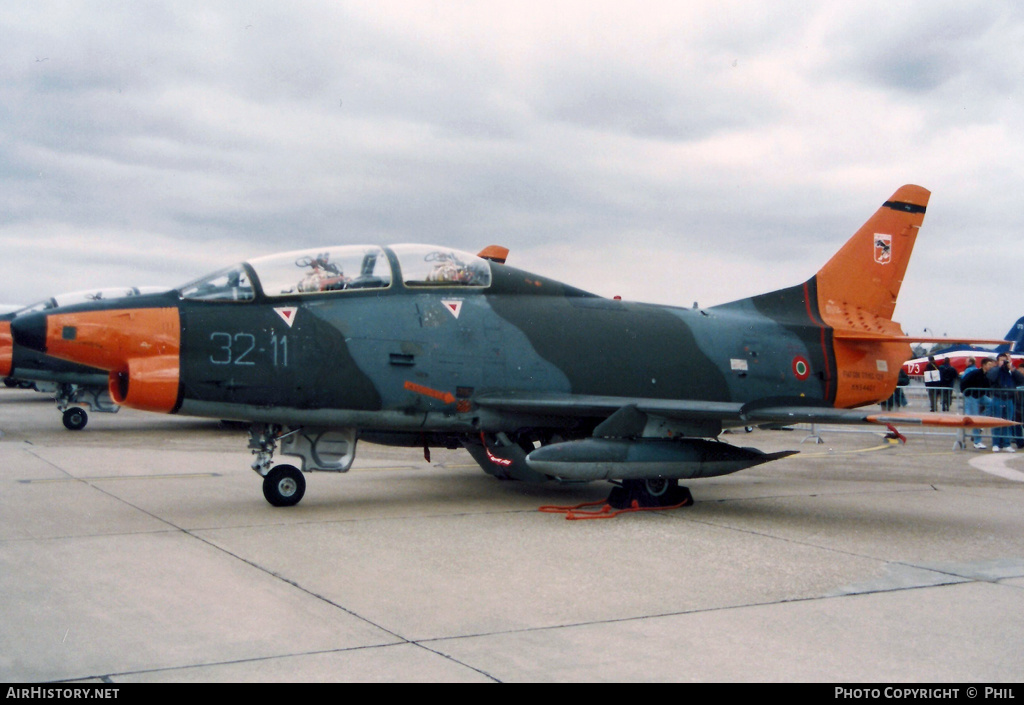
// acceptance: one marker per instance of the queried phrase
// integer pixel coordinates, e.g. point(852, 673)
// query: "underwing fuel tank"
point(624, 459)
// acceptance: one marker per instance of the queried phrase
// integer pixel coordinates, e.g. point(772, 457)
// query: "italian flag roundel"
point(801, 368)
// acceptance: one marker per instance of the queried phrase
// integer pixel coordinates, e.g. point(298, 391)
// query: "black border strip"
point(903, 206)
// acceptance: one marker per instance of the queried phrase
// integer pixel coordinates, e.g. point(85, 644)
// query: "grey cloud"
point(904, 48)
point(172, 137)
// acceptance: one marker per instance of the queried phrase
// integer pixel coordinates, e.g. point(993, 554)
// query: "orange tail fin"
point(857, 292)
point(863, 279)
point(843, 314)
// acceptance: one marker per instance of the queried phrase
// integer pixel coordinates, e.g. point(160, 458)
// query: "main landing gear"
point(655, 492)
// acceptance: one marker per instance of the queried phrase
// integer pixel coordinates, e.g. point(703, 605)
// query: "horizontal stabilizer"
point(866, 336)
point(936, 419)
point(814, 414)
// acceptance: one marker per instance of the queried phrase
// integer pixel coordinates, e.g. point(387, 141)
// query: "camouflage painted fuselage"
point(423, 345)
point(417, 359)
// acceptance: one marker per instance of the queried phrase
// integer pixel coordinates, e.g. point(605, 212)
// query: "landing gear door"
point(331, 450)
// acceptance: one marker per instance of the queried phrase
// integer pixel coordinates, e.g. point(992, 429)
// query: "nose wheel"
point(75, 418)
point(284, 486)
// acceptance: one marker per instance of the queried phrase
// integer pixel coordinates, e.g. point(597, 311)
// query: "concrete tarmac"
point(141, 550)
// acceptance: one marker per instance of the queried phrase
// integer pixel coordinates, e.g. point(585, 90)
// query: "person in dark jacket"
point(898, 398)
point(1004, 380)
point(975, 385)
point(948, 377)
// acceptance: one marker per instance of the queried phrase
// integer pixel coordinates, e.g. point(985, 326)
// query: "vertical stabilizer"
point(1016, 338)
point(864, 277)
point(857, 292)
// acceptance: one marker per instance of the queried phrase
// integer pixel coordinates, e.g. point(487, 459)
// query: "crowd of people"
point(989, 388)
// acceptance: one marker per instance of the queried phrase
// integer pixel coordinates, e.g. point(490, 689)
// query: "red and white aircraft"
point(958, 355)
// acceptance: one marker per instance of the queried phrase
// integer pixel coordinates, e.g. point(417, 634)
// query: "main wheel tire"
point(284, 486)
point(658, 487)
point(654, 492)
point(75, 418)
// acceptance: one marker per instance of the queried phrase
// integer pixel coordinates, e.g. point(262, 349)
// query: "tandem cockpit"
point(343, 268)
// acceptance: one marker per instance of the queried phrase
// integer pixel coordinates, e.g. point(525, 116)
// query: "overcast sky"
point(662, 151)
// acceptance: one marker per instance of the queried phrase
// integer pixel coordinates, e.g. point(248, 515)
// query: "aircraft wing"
point(586, 405)
point(729, 413)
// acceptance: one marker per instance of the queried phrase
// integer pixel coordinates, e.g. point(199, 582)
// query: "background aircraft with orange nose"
point(74, 387)
point(421, 345)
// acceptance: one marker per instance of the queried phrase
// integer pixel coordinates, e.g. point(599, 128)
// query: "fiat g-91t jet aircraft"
point(428, 346)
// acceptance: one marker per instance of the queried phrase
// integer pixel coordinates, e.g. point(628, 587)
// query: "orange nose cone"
point(6, 348)
point(139, 347)
point(109, 339)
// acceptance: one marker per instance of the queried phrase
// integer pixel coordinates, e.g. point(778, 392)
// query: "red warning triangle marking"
point(287, 314)
point(454, 307)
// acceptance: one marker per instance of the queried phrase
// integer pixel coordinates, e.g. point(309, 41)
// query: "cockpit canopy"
point(343, 268)
point(424, 265)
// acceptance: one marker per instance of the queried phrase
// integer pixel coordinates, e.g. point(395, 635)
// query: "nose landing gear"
point(326, 449)
point(96, 398)
point(75, 418)
point(284, 486)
